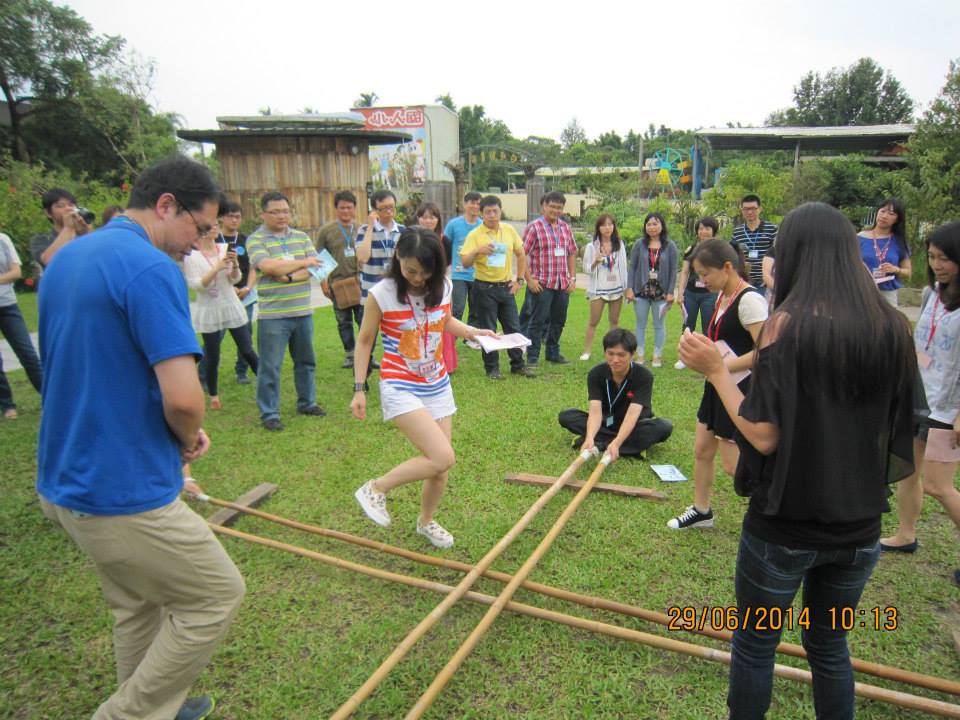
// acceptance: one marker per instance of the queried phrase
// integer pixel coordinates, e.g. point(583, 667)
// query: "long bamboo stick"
point(887, 672)
point(443, 677)
point(914, 702)
point(364, 691)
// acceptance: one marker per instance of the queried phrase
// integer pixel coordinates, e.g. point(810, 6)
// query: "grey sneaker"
point(196, 708)
point(435, 534)
point(374, 503)
point(691, 518)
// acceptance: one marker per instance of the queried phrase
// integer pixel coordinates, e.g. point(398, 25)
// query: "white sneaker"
point(585, 356)
point(374, 503)
point(678, 365)
point(657, 362)
point(435, 534)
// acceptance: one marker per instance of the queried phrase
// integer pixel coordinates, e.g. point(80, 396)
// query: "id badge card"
point(428, 369)
point(699, 284)
point(498, 258)
point(878, 273)
point(560, 251)
point(349, 252)
point(654, 274)
point(287, 256)
point(608, 421)
point(924, 360)
point(753, 254)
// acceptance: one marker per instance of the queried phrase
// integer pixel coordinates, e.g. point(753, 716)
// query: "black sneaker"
point(243, 380)
point(374, 365)
point(272, 424)
point(313, 411)
point(494, 375)
point(524, 371)
point(691, 518)
point(559, 360)
point(197, 708)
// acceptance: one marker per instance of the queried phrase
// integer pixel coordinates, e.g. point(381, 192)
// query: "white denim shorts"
point(395, 401)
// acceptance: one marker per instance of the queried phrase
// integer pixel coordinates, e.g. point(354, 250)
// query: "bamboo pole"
point(443, 677)
point(914, 702)
point(887, 672)
point(364, 691)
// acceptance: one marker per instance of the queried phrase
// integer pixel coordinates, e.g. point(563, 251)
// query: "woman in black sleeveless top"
point(736, 322)
point(824, 430)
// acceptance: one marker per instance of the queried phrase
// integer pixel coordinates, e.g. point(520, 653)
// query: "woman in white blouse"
point(605, 261)
point(211, 272)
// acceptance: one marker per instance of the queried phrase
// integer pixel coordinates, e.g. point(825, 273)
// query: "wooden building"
point(306, 157)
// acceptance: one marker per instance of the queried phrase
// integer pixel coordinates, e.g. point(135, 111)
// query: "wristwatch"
point(361, 387)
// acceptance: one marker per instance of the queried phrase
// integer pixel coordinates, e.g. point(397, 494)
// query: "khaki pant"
point(173, 591)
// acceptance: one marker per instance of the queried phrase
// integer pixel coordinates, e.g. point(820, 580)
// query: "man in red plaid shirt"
point(551, 277)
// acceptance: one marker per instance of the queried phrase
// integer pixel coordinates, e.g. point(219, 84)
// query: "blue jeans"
point(548, 315)
point(462, 292)
point(702, 303)
point(494, 302)
point(345, 319)
point(273, 337)
point(643, 308)
point(15, 331)
point(768, 576)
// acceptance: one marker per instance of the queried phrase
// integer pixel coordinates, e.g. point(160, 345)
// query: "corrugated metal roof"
point(374, 137)
point(850, 138)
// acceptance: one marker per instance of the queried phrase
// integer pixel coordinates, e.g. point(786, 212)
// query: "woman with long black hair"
point(605, 261)
point(884, 248)
point(651, 280)
point(410, 308)
point(823, 431)
point(937, 340)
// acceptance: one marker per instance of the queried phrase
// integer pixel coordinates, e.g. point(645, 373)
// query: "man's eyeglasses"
point(387, 208)
point(276, 213)
point(201, 229)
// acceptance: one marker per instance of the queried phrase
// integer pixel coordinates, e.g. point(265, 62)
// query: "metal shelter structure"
point(881, 143)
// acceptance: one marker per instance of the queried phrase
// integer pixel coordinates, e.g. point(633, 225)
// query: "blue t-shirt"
point(111, 307)
point(457, 231)
point(890, 250)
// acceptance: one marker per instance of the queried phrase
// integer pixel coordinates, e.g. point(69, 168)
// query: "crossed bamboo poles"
point(519, 580)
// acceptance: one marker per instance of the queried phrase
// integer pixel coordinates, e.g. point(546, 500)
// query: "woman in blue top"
point(884, 249)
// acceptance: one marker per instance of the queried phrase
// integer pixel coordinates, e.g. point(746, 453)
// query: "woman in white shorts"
point(411, 309)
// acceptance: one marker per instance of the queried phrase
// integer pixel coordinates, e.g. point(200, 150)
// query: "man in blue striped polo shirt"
point(281, 256)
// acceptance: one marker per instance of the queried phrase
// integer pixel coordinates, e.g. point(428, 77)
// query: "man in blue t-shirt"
point(456, 232)
point(122, 408)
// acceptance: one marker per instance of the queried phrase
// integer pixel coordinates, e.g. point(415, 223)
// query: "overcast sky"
point(613, 65)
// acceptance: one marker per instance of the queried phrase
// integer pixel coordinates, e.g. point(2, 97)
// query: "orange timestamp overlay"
point(728, 618)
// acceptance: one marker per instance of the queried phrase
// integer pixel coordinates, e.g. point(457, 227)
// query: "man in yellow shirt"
point(491, 249)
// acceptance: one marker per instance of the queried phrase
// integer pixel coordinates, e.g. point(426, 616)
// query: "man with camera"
point(68, 220)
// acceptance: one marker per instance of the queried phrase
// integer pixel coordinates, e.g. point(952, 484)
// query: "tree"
point(48, 54)
point(862, 94)
point(934, 155)
point(476, 129)
point(446, 101)
point(610, 139)
point(572, 134)
point(366, 100)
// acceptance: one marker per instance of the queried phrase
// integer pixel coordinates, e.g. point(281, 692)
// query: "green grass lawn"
point(308, 635)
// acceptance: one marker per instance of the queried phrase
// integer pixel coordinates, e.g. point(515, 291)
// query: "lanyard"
point(347, 237)
point(424, 332)
point(654, 256)
point(876, 250)
point(720, 311)
point(754, 239)
point(611, 403)
point(934, 322)
point(557, 239)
